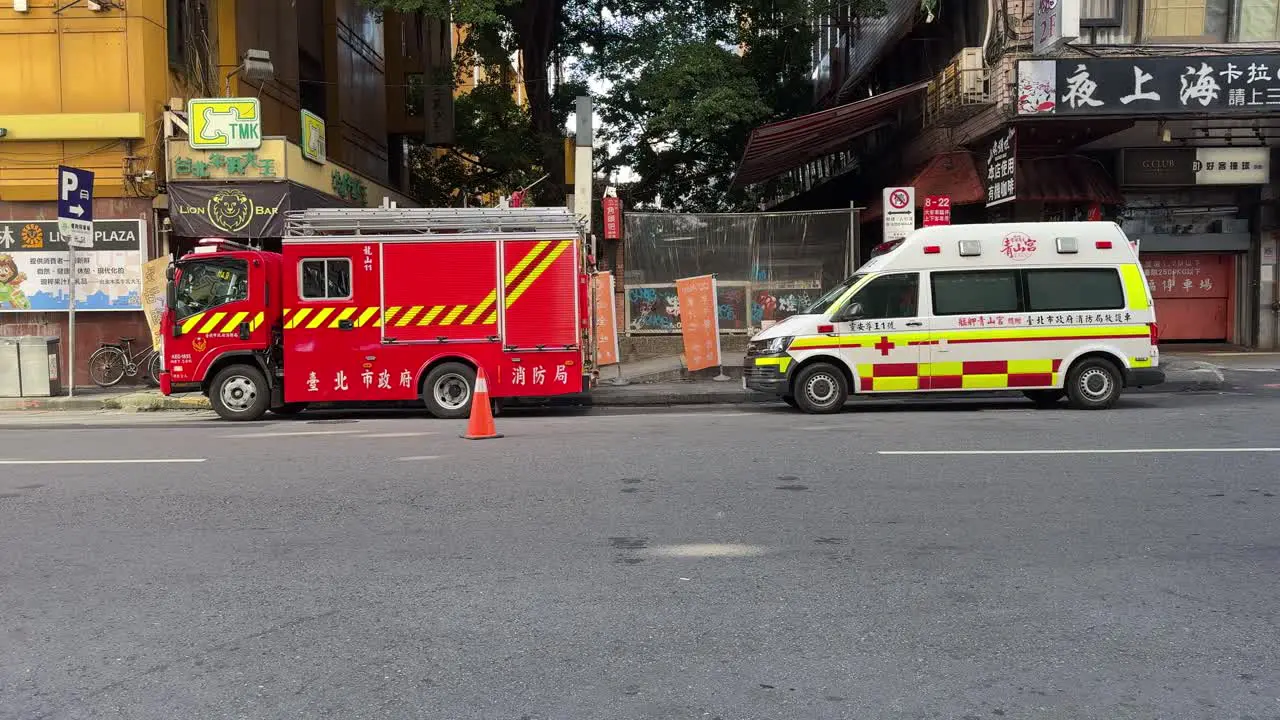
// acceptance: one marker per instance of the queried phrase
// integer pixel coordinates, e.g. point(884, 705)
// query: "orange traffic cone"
point(480, 427)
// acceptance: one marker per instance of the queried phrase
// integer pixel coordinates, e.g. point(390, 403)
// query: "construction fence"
point(768, 266)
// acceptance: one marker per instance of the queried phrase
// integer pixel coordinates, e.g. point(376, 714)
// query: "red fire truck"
point(383, 304)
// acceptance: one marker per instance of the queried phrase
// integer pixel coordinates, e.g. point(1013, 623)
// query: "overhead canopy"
point(778, 147)
point(1066, 179)
point(954, 174)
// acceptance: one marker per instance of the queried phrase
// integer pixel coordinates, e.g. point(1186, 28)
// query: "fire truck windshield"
point(206, 284)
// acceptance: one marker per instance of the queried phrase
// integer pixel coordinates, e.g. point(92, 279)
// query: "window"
point(206, 284)
point(975, 292)
point(890, 296)
point(1101, 13)
point(1257, 20)
point(1185, 21)
point(1074, 289)
point(821, 304)
point(327, 279)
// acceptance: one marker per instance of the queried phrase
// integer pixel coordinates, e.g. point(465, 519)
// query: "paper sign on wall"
point(699, 322)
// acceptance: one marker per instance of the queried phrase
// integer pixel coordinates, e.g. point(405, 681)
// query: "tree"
point(532, 27)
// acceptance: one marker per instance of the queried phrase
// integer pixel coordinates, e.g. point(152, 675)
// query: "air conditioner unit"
point(968, 62)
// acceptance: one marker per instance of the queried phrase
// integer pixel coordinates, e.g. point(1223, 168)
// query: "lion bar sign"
point(247, 210)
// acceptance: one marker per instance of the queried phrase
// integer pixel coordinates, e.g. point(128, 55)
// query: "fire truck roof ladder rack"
point(428, 221)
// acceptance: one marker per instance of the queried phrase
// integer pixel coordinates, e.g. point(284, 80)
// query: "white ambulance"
point(1054, 310)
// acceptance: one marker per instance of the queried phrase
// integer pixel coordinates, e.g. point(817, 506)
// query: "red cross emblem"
point(884, 346)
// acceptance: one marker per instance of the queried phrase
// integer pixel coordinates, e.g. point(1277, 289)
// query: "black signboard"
point(1158, 166)
point(245, 210)
point(1002, 168)
point(1149, 85)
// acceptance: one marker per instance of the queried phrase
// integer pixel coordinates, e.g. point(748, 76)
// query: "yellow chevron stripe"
point(213, 322)
point(537, 271)
point(453, 314)
point(234, 322)
point(297, 317)
point(483, 306)
point(189, 324)
point(256, 322)
point(524, 262)
point(318, 319)
point(346, 313)
point(431, 315)
point(408, 316)
point(365, 316)
point(387, 316)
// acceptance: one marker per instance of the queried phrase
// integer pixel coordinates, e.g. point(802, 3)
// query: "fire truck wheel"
point(239, 392)
point(447, 390)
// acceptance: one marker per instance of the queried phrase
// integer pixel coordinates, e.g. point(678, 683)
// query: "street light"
point(254, 66)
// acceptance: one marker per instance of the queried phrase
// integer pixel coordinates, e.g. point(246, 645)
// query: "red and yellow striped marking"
point(979, 375)
point(516, 282)
point(214, 322)
point(961, 336)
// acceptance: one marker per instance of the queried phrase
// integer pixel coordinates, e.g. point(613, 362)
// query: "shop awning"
point(1066, 179)
point(781, 146)
point(954, 174)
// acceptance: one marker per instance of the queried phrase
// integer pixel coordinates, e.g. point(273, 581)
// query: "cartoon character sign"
point(11, 284)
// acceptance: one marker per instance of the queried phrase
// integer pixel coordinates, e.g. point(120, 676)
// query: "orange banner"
point(606, 315)
point(699, 323)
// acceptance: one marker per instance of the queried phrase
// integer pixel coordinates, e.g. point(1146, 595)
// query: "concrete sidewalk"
point(655, 383)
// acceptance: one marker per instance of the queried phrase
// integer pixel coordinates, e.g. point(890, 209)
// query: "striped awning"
point(775, 148)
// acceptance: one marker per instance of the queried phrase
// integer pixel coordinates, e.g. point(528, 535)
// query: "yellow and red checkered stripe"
point(975, 375)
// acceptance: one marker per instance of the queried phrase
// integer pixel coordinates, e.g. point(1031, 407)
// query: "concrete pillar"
point(1268, 269)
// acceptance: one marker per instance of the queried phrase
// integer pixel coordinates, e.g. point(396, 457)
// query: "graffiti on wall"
point(657, 309)
point(778, 305)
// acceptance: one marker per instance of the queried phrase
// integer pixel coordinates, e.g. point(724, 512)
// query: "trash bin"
point(10, 378)
point(38, 366)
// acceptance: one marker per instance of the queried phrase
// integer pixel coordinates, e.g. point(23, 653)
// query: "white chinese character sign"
point(1233, 165)
point(1148, 85)
point(1057, 22)
point(1002, 168)
point(899, 214)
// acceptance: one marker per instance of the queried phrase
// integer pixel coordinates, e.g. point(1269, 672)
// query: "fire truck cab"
point(383, 304)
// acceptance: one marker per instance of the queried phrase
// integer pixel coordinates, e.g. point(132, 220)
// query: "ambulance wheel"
point(239, 392)
point(821, 388)
point(790, 400)
point(1045, 398)
point(1093, 384)
point(447, 390)
point(289, 409)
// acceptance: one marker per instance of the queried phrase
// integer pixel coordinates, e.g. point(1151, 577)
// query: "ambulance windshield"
point(832, 295)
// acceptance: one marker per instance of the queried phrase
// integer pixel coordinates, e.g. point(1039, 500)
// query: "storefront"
point(1192, 156)
point(244, 194)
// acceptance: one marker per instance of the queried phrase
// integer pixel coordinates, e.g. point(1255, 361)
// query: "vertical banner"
point(611, 206)
point(699, 321)
point(153, 295)
point(606, 315)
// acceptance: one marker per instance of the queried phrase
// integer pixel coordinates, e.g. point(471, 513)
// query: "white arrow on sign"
point(76, 210)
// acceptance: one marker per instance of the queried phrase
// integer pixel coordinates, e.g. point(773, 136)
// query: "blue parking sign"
point(75, 206)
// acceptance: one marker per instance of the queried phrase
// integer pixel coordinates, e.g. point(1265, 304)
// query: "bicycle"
point(111, 362)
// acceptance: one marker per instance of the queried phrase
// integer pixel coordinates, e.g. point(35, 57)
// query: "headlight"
point(772, 346)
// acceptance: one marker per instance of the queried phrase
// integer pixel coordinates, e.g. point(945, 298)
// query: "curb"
point(1201, 379)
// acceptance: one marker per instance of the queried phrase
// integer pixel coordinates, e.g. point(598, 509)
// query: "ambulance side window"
point(975, 292)
point(325, 279)
point(889, 296)
point(1074, 289)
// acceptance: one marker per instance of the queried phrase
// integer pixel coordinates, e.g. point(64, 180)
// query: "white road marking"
point(296, 433)
point(703, 550)
point(415, 458)
point(125, 461)
point(1108, 451)
point(396, 435)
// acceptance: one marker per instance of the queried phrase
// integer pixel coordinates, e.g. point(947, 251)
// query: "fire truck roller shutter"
point(541, 293)
point(454, 304)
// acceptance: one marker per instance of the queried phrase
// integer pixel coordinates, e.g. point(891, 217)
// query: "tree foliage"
point(686, 82)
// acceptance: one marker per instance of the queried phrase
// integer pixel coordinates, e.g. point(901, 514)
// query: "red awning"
point(1066, 179)
point(778, 147)
point(954, 174)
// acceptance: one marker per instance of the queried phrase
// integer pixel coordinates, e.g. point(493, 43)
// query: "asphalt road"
point(949, 560)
